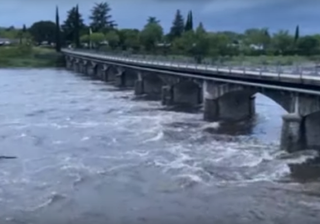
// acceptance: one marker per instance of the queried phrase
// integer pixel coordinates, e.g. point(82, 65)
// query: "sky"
point(216, 15)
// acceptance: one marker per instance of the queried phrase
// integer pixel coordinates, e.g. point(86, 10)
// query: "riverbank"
point(29, 57)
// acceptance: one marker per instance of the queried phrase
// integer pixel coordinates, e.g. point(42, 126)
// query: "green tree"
point(129, 39)
point(73, 22)
point(201, 45)
point(282, 42)
point(297, 34)
point(184, 44)
point(85, 38)
point(308, 45)
point(97, 38)
point(101, 20)
point(151, 34)
point(77, 28)
point(113, 39)
point(177, 26)
point(221, 45)
point(43, 31)
point(152, 19)
point(58, 32)
point(189, 22)
point(24, 28)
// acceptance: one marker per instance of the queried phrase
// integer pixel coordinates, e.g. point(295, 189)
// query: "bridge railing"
point(310, 69)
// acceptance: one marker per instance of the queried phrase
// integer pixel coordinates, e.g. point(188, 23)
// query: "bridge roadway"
point(226, 93)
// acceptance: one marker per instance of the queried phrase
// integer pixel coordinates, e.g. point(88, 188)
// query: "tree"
point(85, 38)
point(189, 22)
point(282, 42)
point(152, 19)
point(201, 44)
point(129, 39)
point(77, 28)
point(296, 35)
point(57, 32)
point(43, 31)
point(97, 38)
point(113, 39)
point(73, 23)
point(184, 44)
point(177, 26)
point(101, 18)
point(24, 28)
point(308, 45)
point(221, 45)
point(151, 34)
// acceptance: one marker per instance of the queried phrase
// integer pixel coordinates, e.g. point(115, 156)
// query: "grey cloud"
point(215, 14)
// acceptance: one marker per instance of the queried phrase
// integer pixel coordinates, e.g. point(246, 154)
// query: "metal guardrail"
point(297, 72)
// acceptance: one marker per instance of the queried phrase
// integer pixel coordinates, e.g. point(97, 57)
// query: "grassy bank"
point(27, 56)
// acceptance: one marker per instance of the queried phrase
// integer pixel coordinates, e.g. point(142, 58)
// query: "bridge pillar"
point(125, 78)
point(220, 103)
point(99, 72)
point(69, 64)
point(292, 134)
point(186, 92)
point(111, 73)
point(76, 66)
point(167, 95)
point(119, 80)
point(104, 73)
point(149, 84)
point(138, 85)
point(91, 69)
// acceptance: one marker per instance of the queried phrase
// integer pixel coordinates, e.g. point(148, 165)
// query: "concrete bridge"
point(225, 93)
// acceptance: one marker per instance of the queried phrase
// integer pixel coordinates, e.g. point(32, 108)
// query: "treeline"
point(183, 38)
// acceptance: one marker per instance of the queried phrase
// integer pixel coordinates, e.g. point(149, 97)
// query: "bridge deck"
point(308, 83)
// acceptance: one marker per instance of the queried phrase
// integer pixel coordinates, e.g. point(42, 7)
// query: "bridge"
point(226, 93)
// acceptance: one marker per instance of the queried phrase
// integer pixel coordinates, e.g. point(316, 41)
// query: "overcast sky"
point(216, 15)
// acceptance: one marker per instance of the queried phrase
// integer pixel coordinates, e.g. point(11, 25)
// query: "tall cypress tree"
point(297, 34)
point(189, 22)
point(24, 28)
point(177, 26)
point(77, 28)
point(58, 31)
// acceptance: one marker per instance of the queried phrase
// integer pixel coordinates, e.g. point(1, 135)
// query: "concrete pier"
point(186, 92)
point(225, 103)
point(292, 138)
point(167, 95)
point(152, 86)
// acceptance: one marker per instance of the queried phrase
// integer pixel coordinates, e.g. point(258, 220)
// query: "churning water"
point(90, 153)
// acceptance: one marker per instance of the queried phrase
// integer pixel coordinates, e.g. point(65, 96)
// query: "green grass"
point(23, 56)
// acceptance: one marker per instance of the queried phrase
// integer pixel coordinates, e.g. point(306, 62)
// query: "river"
point(90, 153)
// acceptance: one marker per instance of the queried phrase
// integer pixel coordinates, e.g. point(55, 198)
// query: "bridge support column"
point(99, 72)
point(69, 65)
point(119, 79)
point(91, 70)
point(138, 85)
point(110, 74)
point(220, 103)
point(186, 92)
point(84, 69)
point(167, 95)
point(104, 73)
point(149, 84)
point(292, 138)
point(76, 67)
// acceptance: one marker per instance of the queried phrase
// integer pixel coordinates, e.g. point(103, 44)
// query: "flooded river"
point(89, 153)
